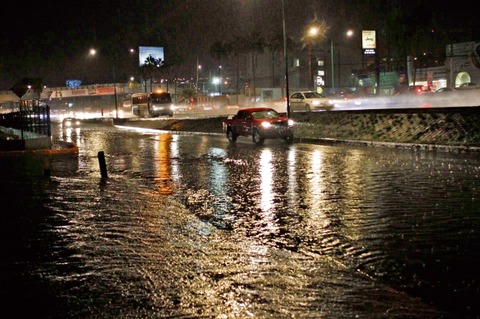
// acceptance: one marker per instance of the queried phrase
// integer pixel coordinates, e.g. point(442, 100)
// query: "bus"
point(152, 104)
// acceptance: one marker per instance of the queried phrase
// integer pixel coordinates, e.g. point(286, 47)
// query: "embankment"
point(451, 129)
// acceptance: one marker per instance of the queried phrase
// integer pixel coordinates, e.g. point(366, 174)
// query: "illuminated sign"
point(73, 84)
point(145, 52)
point(369, 43)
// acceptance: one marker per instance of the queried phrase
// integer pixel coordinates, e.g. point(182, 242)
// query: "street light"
point(312, 34)
point(349, 34)
point(220, 79)
point(199, 67)
point(93, 52)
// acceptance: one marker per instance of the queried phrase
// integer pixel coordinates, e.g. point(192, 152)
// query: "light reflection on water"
point(190, 226)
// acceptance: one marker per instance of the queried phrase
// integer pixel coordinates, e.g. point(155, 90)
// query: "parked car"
point(309, 101)
point(260, 123)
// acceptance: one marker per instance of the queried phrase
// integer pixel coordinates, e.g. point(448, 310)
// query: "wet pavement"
point(189, 226)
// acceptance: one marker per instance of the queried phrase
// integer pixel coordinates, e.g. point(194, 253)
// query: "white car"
point(308, 101)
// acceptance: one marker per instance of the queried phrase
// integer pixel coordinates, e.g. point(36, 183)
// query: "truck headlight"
point(266, 125)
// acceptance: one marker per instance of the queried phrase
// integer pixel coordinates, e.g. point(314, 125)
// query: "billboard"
point(145, 52)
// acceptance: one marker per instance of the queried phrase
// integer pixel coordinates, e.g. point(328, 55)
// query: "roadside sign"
point(19, 89)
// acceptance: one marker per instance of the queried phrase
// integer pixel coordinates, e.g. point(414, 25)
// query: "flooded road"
point(189, 226)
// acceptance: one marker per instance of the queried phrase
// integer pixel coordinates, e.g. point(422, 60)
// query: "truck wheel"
point(232, 137)
point(257, 138)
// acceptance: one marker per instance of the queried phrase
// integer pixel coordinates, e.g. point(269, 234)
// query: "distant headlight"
point(266, 124)
point(291, 122)
point(70, 123)
point(316, 102)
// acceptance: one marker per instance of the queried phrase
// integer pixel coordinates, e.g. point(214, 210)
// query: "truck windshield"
point(268, 114)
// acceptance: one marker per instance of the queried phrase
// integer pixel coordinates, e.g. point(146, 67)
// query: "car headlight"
point(266, 124)
point(316, 102)
point(291, 122)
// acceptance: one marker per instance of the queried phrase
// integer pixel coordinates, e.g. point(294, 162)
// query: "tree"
point(189, 93)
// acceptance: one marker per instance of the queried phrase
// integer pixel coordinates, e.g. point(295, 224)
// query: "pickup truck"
point(260, 123)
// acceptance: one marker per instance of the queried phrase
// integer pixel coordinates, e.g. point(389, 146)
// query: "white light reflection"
point(70, 133)
point(317, 189)
point(266, 176)
point(291, 171)
point(219, 172)
point(218, 179)
point(175, 154)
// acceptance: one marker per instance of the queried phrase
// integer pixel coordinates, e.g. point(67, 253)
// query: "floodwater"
point(188, 226)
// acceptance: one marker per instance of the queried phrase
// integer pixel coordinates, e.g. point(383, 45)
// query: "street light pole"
point(93, 52)
point(333, 66)
point(349, 34)
point(220, 80)
point(196, 84)
point(115, 91)
point(285, 57)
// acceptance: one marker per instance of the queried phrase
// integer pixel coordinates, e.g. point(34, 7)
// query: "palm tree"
point(168, 67)
point(275, 45)
point(255, 44)
point(238, 46)
point(150, 68)
point(220, 50)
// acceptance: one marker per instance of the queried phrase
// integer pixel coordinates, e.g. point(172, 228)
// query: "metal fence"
point(33, 116)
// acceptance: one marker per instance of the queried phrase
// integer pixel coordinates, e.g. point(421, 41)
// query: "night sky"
point(50, 40)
